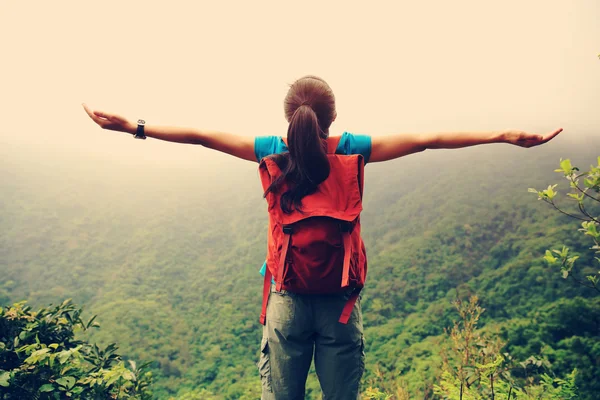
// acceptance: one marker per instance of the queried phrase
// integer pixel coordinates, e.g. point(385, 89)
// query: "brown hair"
point(309, 108)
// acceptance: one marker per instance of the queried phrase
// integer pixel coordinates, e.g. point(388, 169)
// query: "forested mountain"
point(168, 255)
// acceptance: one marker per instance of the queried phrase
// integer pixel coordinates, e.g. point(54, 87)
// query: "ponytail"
point(306, 165)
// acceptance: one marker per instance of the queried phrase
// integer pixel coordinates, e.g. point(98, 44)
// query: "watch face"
point(141, 122)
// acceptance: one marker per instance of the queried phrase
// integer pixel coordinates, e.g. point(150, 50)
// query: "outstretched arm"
point(235, 145)
point(385, 148)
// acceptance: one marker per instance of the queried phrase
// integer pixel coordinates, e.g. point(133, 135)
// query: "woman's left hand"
point(111, 122)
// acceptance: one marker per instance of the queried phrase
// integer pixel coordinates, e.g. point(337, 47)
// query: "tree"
point(475, 368)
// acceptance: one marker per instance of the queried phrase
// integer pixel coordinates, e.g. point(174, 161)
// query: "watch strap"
point(139, 133)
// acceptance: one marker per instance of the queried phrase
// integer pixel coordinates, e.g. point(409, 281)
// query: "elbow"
point(421, 148)
point(430, 142)
point(197, 138)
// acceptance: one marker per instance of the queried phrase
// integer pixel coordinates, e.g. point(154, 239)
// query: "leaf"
point(566, 166)
point(90, 322)
point(549, 193)
point(549, 257)
point(36, 356)
point(4, 378)
point(66, 381)
point(578, 197)
point(565, 274)
point(571, 260)
point(77, 390)
point(71, 381)
point(112, 379)
point(63, 356)
point(65, 369)
point(40, 352)
point(48, 387)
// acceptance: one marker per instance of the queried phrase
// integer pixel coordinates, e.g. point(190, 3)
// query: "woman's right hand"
point(525, 139)
point(110, 121)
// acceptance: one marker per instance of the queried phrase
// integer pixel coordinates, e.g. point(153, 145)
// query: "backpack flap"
point(339, 196)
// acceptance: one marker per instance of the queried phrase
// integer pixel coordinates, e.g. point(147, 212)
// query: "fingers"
point(87, 110)
point(525, 139)
point(102, 114)
point(92, 114)
point(552, 135)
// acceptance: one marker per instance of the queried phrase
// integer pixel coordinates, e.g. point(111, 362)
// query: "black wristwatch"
point(139, 134)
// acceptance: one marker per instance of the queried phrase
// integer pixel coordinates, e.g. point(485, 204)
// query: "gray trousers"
point(299, 326)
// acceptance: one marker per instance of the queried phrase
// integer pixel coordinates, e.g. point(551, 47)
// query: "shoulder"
point(351, 143)
point(264, 146)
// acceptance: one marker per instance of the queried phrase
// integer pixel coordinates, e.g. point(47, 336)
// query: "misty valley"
point(168, 259)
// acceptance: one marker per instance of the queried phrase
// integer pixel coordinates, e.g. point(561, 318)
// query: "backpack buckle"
point(346, 226)
point(288, 230)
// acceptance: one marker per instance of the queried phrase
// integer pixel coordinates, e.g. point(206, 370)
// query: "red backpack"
point(318, 250)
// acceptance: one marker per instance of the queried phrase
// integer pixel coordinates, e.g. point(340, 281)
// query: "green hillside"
point(168, 259)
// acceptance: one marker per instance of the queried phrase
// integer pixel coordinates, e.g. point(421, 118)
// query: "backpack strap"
point(287, 234)
point(266, 291)
point(346, 229)
point(332, 144)
point(347, 311)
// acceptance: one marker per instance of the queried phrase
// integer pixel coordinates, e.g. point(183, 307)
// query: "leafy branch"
point(590, 192)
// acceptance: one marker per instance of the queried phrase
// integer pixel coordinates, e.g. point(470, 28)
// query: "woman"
point(299, 325)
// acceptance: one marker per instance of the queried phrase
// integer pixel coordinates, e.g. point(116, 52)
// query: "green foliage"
point(475, 368)
point(40, 358)
point(171, 268)
point(375, 394)
point(585, 195)
point(473, 365)
point(380, 387)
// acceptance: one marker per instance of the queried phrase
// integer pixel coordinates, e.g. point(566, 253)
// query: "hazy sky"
point(399, 66)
